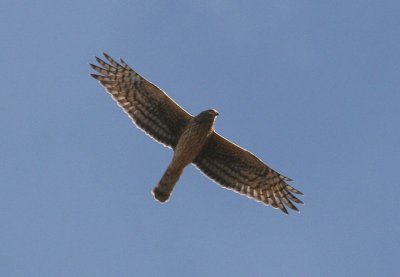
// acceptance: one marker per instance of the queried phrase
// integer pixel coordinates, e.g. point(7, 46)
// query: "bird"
point(193, 140)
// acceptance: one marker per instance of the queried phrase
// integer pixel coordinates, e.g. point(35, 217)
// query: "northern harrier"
point(193, 140)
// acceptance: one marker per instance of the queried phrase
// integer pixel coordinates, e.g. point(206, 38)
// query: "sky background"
point(311, 87)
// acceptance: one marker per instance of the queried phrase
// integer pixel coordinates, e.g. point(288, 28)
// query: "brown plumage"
point(189, 145)
point(193, 140)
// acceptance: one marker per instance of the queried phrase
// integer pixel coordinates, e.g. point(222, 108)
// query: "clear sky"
point(311, 87)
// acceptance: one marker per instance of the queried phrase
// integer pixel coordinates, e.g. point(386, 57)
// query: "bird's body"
point(193, 140)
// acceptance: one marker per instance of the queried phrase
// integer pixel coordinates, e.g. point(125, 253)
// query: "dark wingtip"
point(111, 60)
point(124, 63)
point(99, 60)
point(96, 76)
point(292, 189)
point(284, 210)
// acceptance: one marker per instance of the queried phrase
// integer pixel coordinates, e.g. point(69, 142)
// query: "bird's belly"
point(189, 146)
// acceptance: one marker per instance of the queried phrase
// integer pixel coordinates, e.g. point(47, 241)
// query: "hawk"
point(193, 139)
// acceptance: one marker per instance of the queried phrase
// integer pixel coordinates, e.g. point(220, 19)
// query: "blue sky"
point(311, 87)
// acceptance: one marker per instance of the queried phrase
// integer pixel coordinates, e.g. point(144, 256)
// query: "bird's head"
point(212, 112)
point(207, 116)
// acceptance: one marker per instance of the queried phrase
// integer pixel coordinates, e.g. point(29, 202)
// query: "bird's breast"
point(191, 142)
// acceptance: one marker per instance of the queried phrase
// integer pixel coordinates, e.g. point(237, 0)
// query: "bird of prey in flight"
point(193, 140)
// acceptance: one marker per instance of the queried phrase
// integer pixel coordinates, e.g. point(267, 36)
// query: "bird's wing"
point(239, 170)
point(151, 109)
